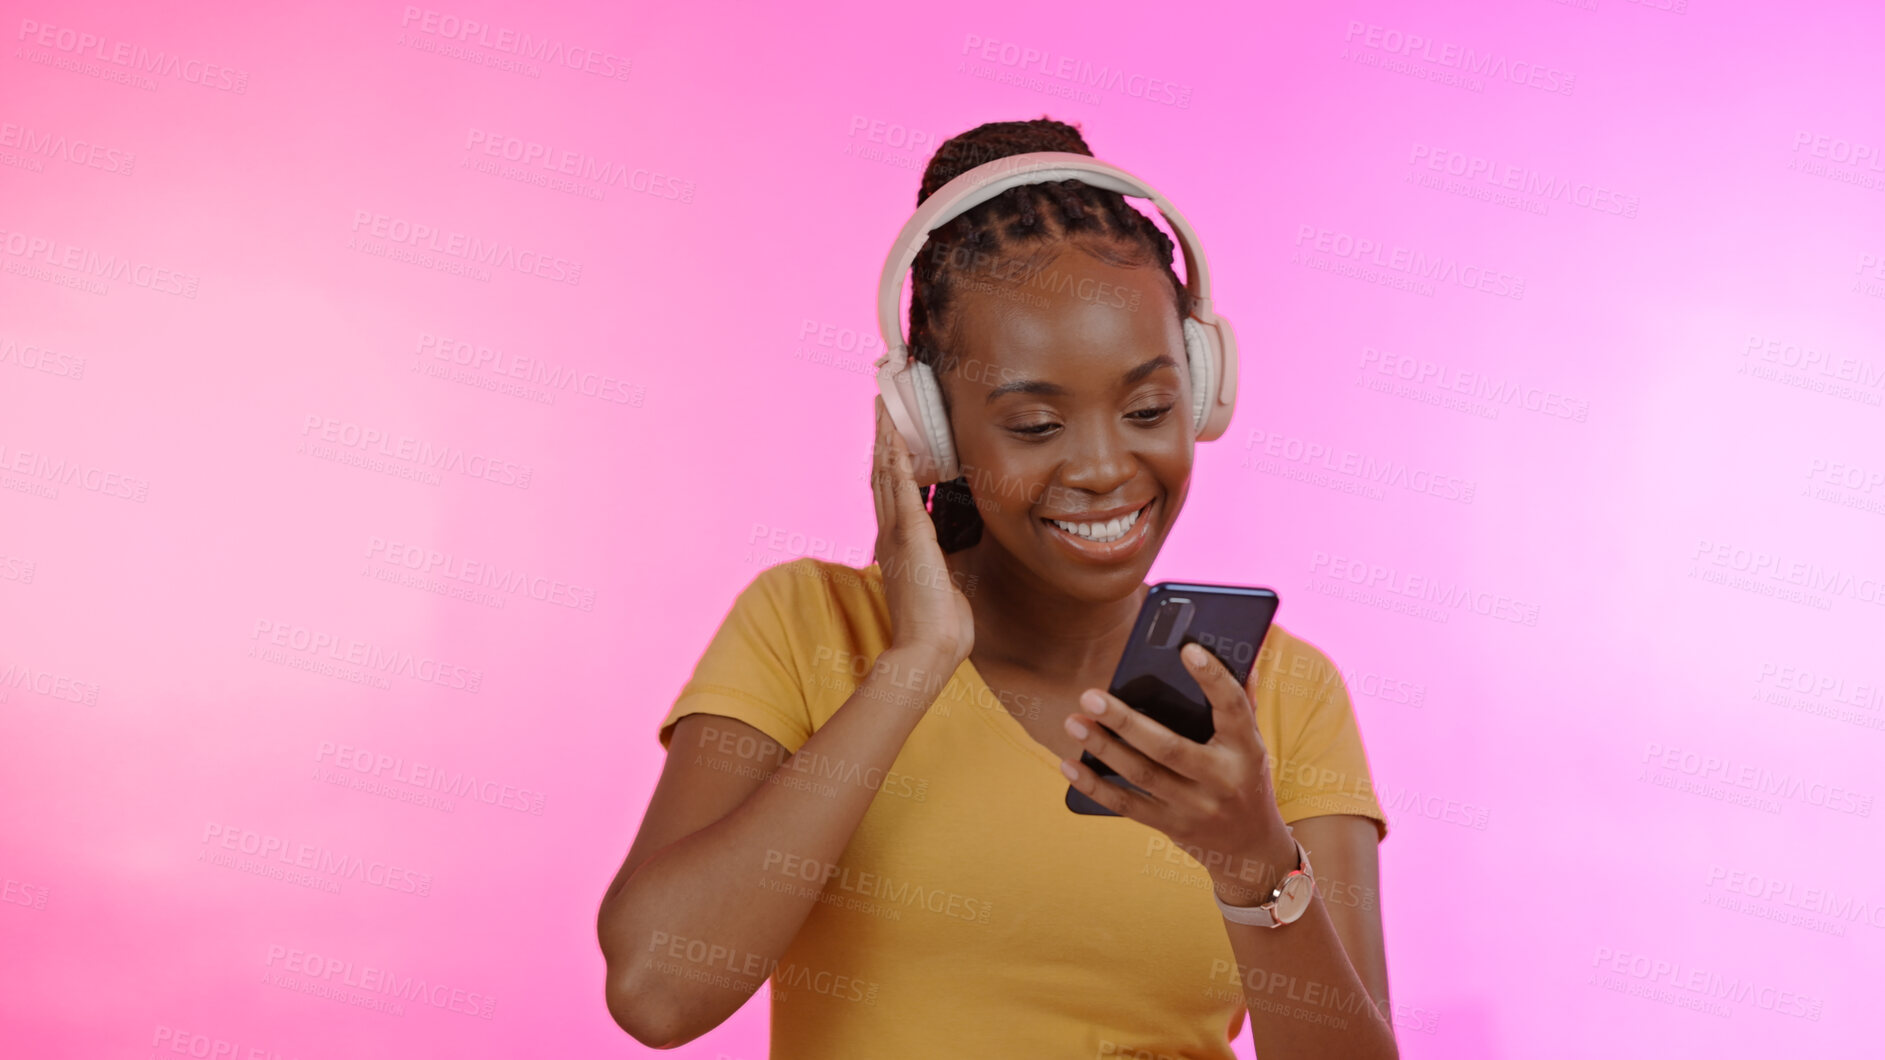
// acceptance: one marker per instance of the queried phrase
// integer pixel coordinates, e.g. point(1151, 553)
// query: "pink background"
point(1615, 825)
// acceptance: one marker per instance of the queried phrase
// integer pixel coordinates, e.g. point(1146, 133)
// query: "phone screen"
point(1230, 621)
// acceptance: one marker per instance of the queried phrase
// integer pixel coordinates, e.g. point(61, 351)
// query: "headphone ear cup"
point(1201, 355)
point(933, 420)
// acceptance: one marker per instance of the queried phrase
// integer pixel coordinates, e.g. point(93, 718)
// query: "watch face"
point(1297, 890)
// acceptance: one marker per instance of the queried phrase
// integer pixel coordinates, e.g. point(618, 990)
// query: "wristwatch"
point(1287, 901)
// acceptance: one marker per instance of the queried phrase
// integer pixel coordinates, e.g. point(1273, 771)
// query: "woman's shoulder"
point(1293, 665)
point(824, 598)
point(808, 578)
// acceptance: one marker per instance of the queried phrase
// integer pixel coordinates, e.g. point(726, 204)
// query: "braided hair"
point(1029, 220)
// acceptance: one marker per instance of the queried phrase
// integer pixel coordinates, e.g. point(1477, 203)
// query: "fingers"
point(909, 502)
point(895, 476)
point(1112, 796)
point(1231, 713)
point(880, 479)
point(1138, 748)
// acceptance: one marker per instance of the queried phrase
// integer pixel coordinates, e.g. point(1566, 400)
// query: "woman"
point(863, 796)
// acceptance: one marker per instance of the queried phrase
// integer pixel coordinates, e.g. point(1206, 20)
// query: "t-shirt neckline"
point(1007, 724)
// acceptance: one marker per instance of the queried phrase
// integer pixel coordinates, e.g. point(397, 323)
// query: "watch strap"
point(1264, 915)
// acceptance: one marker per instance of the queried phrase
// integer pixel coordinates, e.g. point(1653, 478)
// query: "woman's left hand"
point(1213, 799)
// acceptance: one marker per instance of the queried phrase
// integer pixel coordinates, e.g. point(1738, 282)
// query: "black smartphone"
point(1229, 620)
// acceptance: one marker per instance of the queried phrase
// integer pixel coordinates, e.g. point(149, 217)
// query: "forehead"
point(1064, 316)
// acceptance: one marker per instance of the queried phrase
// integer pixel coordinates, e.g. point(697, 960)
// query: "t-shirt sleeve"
point(1323, 767)
point(751, 670)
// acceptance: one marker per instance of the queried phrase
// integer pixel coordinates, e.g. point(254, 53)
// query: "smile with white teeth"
point(1111, 530)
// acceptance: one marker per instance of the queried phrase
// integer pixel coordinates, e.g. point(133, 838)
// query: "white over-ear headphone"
point(911, 393)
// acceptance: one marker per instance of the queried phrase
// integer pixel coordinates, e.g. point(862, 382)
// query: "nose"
point(1100, 461)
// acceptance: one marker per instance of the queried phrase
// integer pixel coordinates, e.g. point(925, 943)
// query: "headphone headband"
point(973, 187)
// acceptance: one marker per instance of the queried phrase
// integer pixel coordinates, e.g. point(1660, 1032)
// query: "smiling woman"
point(889, 845)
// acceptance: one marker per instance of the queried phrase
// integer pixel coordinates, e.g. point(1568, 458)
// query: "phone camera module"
point(1169, 622)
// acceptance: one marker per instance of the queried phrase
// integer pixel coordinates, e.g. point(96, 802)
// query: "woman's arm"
point(1346, 851)
point(689, 928)
point(1318, 986)
point(705, 903)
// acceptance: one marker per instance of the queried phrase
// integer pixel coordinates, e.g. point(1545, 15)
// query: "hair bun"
point(997, 139)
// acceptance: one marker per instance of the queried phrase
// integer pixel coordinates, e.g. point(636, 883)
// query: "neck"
point(1022, 622)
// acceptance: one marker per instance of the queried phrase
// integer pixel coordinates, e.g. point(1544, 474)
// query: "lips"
point(1101, 530)
point(1105, 537)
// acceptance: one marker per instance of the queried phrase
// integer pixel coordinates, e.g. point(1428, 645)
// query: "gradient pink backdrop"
point(1686, 290)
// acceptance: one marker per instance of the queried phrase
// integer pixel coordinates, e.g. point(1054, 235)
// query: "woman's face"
point(1070, 400)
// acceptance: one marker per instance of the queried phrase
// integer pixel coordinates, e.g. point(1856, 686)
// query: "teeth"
point(1111, 530)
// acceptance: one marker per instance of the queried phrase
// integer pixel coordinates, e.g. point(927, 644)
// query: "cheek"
point(1171, 457)
point(1009, 492)
point(1172, 468)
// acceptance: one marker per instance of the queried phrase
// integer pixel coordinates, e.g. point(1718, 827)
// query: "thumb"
point(1231, 714)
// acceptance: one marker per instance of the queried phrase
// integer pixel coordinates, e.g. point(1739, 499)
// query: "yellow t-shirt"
point(973, 914)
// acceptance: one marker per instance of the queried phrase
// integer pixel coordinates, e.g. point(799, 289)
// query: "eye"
point(1151, 415)
point(1034, 430)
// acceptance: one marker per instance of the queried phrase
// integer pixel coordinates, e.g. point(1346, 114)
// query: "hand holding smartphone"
point(1230, 621)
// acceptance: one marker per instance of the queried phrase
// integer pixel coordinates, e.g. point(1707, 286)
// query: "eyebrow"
point(1041, 386)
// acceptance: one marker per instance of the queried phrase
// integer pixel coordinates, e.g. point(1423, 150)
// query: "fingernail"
point(1194, 654)
point(1073, 726)
point(1069, 770)
point(1094, 703)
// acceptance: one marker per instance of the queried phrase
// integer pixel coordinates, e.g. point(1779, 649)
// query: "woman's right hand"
point(927, 611)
